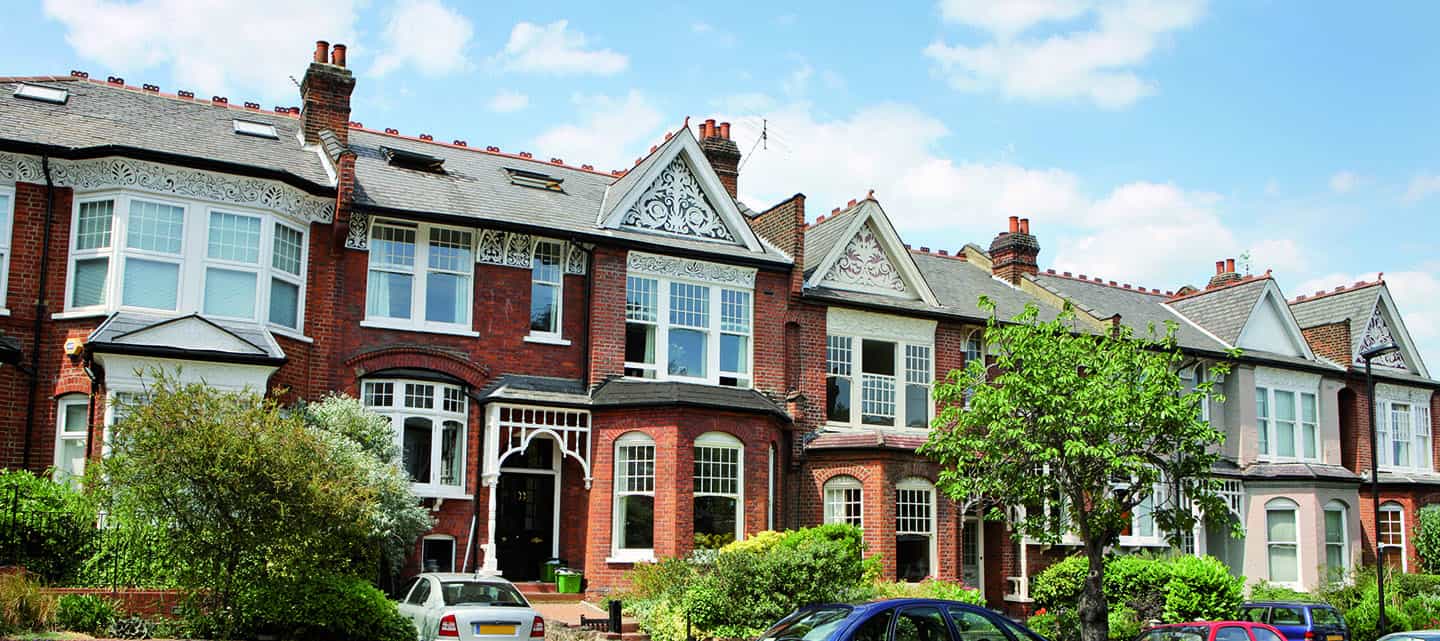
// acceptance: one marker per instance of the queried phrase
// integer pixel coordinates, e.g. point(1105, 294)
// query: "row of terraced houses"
point(612, 367)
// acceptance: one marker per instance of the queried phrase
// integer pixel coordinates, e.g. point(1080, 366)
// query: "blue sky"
point(1143, 140)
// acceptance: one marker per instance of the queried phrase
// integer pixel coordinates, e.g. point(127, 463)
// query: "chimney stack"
point(1015, 253)
point(325, 94)
point(722, 152)
point(1224, 273)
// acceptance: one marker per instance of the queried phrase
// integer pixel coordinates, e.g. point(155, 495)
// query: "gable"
point(1386, 326)
point(1271, 328)
point(863, 264)
point(1377, 332)
point(871, 259)
point(676, 203)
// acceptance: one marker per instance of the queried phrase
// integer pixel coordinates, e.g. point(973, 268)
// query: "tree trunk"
point(1094, 614)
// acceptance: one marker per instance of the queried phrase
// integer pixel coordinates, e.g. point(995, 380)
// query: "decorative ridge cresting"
point(1244, 280)
point(1096, 280)
point(1340, 289)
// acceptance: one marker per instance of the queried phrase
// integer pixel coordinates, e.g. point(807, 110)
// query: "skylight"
point(42, 93)
point(257, 129)
point(535, 180)
point(413, 160)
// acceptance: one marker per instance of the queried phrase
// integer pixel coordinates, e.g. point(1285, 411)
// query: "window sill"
point(4, 312)
point(546, 340)
point(289, 333)
point(95, 313)
point(631, 556)
point(406, 327)
point(425, 492)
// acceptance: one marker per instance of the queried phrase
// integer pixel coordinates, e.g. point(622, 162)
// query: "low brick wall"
point(146, 603)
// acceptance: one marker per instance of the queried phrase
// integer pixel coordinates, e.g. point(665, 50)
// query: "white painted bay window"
point(1287, 421)
point(844, 501)
point(72, 435)
point(1403, 433)
point(718, 492)
point(429, 419)
point(673, 331)
point(420, 277)
point(914, 529)
point(7, 223)
point(633, 530)
point(546, 288)
point(894, 381)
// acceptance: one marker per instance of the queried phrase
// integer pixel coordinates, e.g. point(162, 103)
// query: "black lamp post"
point(1368, 355)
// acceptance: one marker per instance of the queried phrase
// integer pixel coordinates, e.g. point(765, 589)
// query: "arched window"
point(429, 420)
point(914, 529)
point(844, 501)
point(974, 346)
point(634, 528)
point(1337, 541)
point(717, 501)
point(1281, 538)
point(1392, 536)
point(72, 433)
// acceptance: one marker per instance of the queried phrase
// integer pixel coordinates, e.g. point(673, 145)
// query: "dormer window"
point(42, 94)
point(406, 159)
point(534, 180)
point(256, 129)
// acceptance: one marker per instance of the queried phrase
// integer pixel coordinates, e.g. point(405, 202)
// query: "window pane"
point(639, 343)
point(71, 458)
point(635, 467)
point(388, 294)
point(450, 250)
point(921, 624)
point(89, 285)
point(689, 305)
point(1281, 525)
point(229, 293)
point(912, 558)
point(155, 227)
point(687, 352)
point(450, 446)
point(1284, 567)
point(150, 283)
point(917, 405)
point(545, 264)
point(284, 303)
point(734, 353)
point(392, 247)
point(543, 308)
point(637, 521)
point(640, 301)
point(734, 311)
point(1262, 414)
point(878, 357)
point(234, 237)
point(93, 226)
point(877, 399)
point(837, 399)
point(76, 419)
point(289, 247)
point(417, 449)
point(1334, 526)
point(715, 520)
point(1284, 423)
point(445, 296)
point(420, 396)
point(379, 394)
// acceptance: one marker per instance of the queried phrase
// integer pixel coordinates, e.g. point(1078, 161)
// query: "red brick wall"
point(133, 601)
point(607, 314)
point(1331, 341)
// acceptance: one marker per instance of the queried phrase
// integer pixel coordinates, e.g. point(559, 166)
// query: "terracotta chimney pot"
point(1024, 225)
point(725, 130)
point(1219, 266)
point(322, 51)
point(1229, 264)
point(338, 57)
point(1014, 224)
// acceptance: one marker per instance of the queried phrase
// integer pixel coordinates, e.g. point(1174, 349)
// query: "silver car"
point(469, 607)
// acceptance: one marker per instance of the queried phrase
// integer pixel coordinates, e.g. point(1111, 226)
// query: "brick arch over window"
point(419, 357)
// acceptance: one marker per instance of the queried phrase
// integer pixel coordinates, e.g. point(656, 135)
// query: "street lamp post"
point(1368, 355)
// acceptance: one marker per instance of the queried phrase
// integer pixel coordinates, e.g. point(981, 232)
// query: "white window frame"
point(713, 329)
point(555, 337)
point(1391, 507)
point(397, 411)
point(899, 380)
point(1282, 504)
point(1344, 543)
point(917, 484)
point(839, 493)
point(7, 232)
point(723, 442)
point(63, 406)
point(418, 273)
point(1418, 435)
point(1269, 423)
point(974, 346)
point(439, 537)
point(193, 260)
point(619, 491)
point(1191, 377)
point(1159, 496)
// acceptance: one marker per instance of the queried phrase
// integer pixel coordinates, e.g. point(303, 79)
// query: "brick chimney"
point(722, 152)
point(325, 94)
point(1013, 253)
point(1224, 273)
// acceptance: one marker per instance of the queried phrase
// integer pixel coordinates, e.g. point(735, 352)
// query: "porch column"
point(490, 476)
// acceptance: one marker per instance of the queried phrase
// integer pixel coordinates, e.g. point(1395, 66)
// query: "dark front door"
point(524, 524)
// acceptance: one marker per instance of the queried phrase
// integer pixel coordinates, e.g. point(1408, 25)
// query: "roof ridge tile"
point(1339, 289)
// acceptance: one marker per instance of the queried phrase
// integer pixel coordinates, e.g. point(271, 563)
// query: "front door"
point(971, 550)
point(525, 512)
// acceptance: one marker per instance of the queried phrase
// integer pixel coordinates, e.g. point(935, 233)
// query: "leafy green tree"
point(1427, 538)
point(1076, 429)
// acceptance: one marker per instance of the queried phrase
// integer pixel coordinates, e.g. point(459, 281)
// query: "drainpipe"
point(41, 310)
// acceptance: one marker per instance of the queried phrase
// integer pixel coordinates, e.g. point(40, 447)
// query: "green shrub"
point(1422, 612)
point(1427, 538)
point(1201, 588)
point(1061, 583)
point(666, 579)
point(342, 608)
point(132, 627)
point(1267, 591)
point(1413, 585)
point(86, 613)
point(1139, 580)
point(65, 522)
point(1169, 588)
point(130, 554)
point(1363, 618)
point(929, 589)
point(1059, 624)
point(758, 542)
point(1124, 624)
point(22, 605)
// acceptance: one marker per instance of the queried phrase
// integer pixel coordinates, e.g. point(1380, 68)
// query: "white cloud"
point(426, 35)
point(219, 47)
point(557, 49)
point(1343, 182)
point(508, 100)
point(798, 81)
point(1098, 63)
point(611, 133)
point(1416, 292)
point(1422, 186)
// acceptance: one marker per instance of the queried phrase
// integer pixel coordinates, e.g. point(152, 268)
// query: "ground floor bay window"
point(1281, 541)
point(914, 529)
point(844, 500)
point(717, 492)
point(633, 535)
point(429, 420)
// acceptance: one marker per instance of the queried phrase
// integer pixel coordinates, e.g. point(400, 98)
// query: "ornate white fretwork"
point(852, 322)
point(1287, 379)
point(864, 264)
point(670, 266)
point(492, 247)
point(515, 426)
point(575, 260)
point(359, 235)
point(125, 173)
point(1377, 332)
point(1401, 393)
point(517, 249)
point(676, 204)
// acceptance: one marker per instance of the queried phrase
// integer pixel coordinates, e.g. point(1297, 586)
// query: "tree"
point(250, 493)
point(1076, 430)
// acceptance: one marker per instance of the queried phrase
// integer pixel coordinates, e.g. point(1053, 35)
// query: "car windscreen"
point(480, 593)
point(809, 625)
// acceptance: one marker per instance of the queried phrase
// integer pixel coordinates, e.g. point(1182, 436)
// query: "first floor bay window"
point(893, 386)
point(633, 535)
point(1392, 536)
point(420, 277)
point(718, 519)
point(844, 501)
point(1288, 424)
point(429, 421)
point(1281, 540)
point(688, 331)
point(1403, 435)
point(914, 529)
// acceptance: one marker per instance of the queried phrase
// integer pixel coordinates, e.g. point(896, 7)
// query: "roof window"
point(256, 129)
point(534, 180)
point(414, 160)
point(42, 93)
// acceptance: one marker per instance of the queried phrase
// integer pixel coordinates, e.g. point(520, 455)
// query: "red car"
point(1212, 631)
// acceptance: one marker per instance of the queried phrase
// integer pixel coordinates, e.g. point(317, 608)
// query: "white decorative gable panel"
point(864, 265)
point(189, 333)
point(1377, 332)
point(689, 269)
point(675, 203)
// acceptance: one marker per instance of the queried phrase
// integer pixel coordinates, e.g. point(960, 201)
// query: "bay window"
point(429, 421)
point(1281, 541)
point(633, 534)
point(1288, 424)
point(1402, 430)
point(894, 385)
point(717, 490)
point(1392, 537)
point(420, 277)
point(844, 501)
point(914, 529)
point(546, 283)
point(7, 218)
point(137, 252)
point(72, 435)
point(673, 331)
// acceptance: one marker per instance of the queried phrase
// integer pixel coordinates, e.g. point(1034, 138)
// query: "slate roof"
point(1223, 311)
point(535, 389)
point(821, 237)
point(1137, 310)
point(100, 114)
point(1299, 471)
point(258, 345)
point(1354, 305)
point(625, 393)
point(959, 284)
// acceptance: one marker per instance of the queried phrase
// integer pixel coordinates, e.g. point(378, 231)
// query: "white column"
point(490, 477)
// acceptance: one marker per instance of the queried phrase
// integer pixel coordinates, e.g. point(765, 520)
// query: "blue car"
point(898, 620)
point(1299, 621)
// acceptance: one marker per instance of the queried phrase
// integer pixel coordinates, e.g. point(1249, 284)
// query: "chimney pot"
point(725, 130)
point(1014, 224)
point(322, 51)
point(325, 95)
point(709, 127)
point(338, 57)
point(1024, 225)
point(722, 153)
point(1229, 264)
point(1219, 267)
